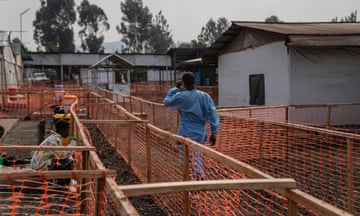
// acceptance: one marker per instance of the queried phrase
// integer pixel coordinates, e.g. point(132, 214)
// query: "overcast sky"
point(186, 17)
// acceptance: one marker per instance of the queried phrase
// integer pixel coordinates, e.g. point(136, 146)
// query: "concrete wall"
point(163, 75)
point(235, 68)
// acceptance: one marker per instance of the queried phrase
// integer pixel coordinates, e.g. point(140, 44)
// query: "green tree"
point(273, 19)
point(18, 44)
point(160, 39)
point(93, 22)
point(351, 18)
point(53, 26)
point(135, 26)
point(212, 31)
point(192, 44)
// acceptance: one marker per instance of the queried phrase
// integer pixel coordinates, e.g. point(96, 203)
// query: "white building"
point(288, 63)
point(67, 65)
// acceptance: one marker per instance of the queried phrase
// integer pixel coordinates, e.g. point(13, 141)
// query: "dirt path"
point(21, 132)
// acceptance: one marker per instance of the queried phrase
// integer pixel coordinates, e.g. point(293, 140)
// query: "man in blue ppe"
point(196, 108)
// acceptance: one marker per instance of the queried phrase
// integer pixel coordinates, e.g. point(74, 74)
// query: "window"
point(257, 89)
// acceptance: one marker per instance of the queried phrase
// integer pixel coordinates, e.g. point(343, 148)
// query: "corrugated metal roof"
point(4, 38)
point(305, 28)
point(116, 59)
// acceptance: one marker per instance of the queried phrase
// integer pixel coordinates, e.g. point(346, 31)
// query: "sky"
point(186, 17)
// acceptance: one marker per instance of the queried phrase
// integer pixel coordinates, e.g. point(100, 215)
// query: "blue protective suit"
point(195, 108)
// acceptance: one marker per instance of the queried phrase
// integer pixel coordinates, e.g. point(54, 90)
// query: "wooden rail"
point(53, 174)
point(208, 185)
point(46, 148)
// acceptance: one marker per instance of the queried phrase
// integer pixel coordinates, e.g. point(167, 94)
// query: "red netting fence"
point(28, 192)
point(275, 147)
point(257, 147)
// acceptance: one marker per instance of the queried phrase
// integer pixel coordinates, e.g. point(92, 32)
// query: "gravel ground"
point(145, 205)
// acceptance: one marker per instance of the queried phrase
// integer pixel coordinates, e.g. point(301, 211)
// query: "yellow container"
point(65, 141)
point(66, 116)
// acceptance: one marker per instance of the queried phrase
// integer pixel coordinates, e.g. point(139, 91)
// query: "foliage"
point(160, 39)
point(273, 19)
point(351, 18)
point(193, 44)
point(135, 26)
point(53, 26)
point(212, 31)
point(93, 22)
point(18, 42)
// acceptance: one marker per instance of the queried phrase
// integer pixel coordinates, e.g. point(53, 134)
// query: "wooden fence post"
point(350, 179)
point(129, 144)
point(99, 198)
point(141, 107)
point(131, 108)
point(261, 141)
point(153, 114)
point(41, 103)
point(84, 181)
point(148, 154)
point(28, 103)
point(186, 200)
point(328, 119)
point(116, 130)
point(292, 208)
point(87, 104)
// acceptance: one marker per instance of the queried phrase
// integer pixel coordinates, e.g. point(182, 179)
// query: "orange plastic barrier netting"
point(27, 192)
point(167, 164)
point(42, 197)
point(35, 103)
point(324, 163)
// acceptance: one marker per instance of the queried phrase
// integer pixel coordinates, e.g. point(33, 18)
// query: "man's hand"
point(212, 139)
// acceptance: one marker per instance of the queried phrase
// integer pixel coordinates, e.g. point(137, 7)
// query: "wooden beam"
point(112, 121)
point(123, 205)
point(54, 174)
point(318, 206)
point(46, 148)
point(175, 187)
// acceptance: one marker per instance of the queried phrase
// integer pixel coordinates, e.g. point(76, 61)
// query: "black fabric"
point(257, 89)
point(62, 164)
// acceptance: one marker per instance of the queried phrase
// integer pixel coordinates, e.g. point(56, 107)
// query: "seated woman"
point(55, 160)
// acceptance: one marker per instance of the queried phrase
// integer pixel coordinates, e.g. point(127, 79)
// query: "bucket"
point(59, 97)
point(68, 100)
point(12, 93)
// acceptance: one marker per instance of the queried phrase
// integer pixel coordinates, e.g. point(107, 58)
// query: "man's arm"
point(172, 99)
point(214, 121)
